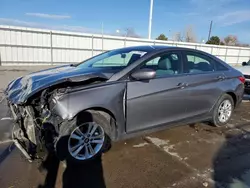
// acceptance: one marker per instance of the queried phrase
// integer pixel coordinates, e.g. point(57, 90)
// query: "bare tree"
point(189, 34)
point(130, 32)
point(231, 40)
point(177, 36)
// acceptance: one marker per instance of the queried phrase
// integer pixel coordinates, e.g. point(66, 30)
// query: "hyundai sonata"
point(77, 110)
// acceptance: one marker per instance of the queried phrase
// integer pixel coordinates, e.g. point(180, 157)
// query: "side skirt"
point(196, 119)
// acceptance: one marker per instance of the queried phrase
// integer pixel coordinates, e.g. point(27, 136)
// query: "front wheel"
point(223, 110)
point(86, 141)
point(85, 138)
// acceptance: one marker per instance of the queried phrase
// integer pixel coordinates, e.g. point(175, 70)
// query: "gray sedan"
point(77, 110)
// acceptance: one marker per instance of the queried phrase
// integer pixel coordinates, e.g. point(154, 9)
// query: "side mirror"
point(244, 63)
point(143, 74)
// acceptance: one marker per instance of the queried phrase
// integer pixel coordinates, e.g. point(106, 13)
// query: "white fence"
point(28, 46)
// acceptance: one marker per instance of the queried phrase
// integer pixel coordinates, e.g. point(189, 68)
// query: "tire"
point(224, 101)
point(68, 131)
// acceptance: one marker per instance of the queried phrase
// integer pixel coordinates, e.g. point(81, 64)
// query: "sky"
point(230, 17)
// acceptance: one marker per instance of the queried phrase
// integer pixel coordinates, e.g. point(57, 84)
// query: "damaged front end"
point(33, 132)
point(36, 127)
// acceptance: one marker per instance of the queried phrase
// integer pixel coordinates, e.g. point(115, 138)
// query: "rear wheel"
point(223, 110)
point(85, 138)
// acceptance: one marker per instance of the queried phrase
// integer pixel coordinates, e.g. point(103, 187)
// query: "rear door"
point(204, 82)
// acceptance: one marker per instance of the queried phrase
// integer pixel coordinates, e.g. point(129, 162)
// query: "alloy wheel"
point(225, 111)
point(86, 141)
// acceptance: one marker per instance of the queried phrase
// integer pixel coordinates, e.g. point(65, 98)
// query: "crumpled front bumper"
point(13, 109)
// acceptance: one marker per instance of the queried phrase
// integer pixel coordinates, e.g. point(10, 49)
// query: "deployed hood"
point(19, 90)
point(245, 70)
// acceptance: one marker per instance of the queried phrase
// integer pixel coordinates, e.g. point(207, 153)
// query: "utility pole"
point(150, 18)
point(102, 29)
point(210, 29)
point(102, 35)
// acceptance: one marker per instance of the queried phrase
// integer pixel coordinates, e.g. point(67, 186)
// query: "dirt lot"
point(187, 156)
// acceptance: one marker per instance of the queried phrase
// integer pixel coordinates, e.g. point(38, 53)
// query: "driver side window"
point(165, 65)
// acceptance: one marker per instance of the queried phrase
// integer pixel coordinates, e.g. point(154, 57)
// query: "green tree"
point(214, 40)
point(162, 37)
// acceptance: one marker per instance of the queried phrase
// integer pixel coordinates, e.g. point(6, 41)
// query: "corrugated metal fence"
point(28, 46)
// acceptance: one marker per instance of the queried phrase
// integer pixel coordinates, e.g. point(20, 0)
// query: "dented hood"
point(19, 90)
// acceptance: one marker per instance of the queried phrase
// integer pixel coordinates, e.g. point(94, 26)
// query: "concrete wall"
point(28, 46)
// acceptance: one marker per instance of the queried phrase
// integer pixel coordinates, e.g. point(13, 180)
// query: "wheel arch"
point(66, 127)
point(233, 95)
point(108, 114)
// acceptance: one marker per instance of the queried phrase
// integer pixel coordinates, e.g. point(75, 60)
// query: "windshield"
point(115, 58)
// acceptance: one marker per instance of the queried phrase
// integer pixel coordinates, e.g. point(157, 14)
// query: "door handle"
point(221, 77)
point(182, 85)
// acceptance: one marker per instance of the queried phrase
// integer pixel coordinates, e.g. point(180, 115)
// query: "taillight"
point(242, 79)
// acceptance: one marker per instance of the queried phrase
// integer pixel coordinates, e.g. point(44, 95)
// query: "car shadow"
point(51, 166)
point(232, 162)
point(88, 174)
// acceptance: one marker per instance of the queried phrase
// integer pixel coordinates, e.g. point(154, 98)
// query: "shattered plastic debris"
point(140, 145)
point(205, 184)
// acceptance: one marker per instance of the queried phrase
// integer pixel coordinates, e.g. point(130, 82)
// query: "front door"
point(157, 101)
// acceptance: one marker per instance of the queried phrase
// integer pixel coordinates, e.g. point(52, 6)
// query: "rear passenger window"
point(198, 63)
point(220, 67)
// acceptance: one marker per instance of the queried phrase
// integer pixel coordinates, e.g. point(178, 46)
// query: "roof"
point(147, 48)
point(150, 48)
point(158, 47)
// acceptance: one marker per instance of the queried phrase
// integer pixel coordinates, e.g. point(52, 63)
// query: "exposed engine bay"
point(36, 128)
